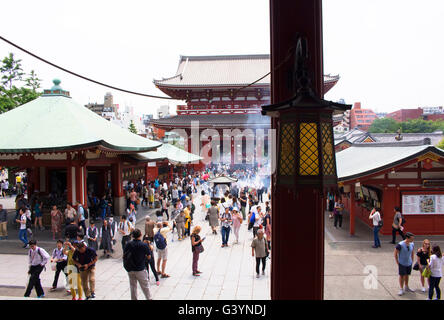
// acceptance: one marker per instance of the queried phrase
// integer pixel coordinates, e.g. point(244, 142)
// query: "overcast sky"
point(387, 53)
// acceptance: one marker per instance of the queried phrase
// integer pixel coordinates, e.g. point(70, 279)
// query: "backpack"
point(160, 241)
point(403, 219)
point(128, 262)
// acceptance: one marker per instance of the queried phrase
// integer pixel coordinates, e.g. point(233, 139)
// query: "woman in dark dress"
point(105, 235)
point(423, 255)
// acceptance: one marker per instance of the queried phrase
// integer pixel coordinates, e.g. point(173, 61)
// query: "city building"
point(219, 95)
point(361, 118)
point(402, 115)
point(432, 110)
point(107, 110)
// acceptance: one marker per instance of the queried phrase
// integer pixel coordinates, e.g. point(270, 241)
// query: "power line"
point(83, 77)
point(290, 52)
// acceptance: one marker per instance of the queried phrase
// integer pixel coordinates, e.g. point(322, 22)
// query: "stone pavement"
point(348, 261)
point(228, 273)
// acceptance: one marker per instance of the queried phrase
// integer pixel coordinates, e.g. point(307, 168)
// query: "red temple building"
point(219, 96)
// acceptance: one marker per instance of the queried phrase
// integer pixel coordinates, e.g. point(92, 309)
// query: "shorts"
point(162, 254)
point(404, 270)
point(38, 214)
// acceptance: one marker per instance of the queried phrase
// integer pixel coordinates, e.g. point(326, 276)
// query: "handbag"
point(380, 224)
point(427, 272)
point(416, 266)
point(200, 248)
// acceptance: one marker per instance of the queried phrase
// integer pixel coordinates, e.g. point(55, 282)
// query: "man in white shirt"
point(23, 236)
point(125, 229)
point(61, 261)
point(376, 217)
point(38, 258)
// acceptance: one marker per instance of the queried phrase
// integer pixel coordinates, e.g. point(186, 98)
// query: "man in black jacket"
point(71, 231)
point(134, 255)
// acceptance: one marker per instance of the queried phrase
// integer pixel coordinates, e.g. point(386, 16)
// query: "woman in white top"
point(435, 265)
point(376, 216)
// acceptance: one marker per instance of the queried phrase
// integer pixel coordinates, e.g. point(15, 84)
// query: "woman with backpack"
point(397, 225)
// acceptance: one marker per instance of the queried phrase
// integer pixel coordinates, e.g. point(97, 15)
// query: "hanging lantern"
point(306, 155)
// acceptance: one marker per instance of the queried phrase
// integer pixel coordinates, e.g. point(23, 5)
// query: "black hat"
point(409, 235)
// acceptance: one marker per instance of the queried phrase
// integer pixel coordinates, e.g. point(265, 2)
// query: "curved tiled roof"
point(57, 123)
point(229, 70)
point(363, 159)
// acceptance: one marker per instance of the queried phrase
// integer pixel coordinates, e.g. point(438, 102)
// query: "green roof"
point(361, 160)
point(168, 152)
point(56, 123)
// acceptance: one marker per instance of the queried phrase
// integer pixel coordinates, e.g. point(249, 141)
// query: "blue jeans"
point(376, 236)
point(23, 236)
point(103, 213)
point(225, 231)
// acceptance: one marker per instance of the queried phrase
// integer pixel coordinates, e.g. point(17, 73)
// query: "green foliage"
point(132, 127)
point(384, 125)
point(16, 87)
point(441, 144)
point(389, 125)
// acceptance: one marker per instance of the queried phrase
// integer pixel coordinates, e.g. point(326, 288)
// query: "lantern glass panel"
point(327, 149)
point(308, 149)
point(287, 149)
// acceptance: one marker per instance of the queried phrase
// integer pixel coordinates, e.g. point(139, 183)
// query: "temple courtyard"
point(228, 273)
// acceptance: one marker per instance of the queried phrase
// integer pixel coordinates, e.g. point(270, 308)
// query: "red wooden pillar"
point(352, 209)
point(71, 183)
point(117, 188)
point(80, 178)
point(287, 19)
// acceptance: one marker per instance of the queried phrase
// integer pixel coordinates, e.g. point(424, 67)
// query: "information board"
point(423, 204)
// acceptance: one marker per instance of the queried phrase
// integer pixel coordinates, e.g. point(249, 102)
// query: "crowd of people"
point(174, 201)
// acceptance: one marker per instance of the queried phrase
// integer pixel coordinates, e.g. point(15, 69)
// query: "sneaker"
point(158, 283)
point(257, 275)
point(93, 295)
point(423, 289)
point(26, 247)
point(53, 289)
point(74, 298)
point(263, 272)
point(409, 290)
point(401, 292)
point(42, 296)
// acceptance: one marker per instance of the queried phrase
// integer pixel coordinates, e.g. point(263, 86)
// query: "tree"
point(132, 127)
point(16, 87)
point(389, 125)
point(384, 125)
point(440, 144)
